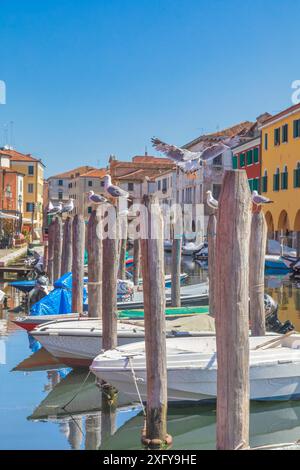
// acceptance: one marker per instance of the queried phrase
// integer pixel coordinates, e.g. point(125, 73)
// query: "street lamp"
point(20, 203)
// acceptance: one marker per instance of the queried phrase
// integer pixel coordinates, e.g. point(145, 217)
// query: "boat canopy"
point(59, 301)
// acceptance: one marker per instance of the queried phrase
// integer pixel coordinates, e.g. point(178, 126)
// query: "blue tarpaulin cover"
point(59, 300)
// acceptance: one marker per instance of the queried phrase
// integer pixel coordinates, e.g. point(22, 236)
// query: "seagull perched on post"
point(211, 201)
point(68, 206)
point(259, 200)
point(96, 198)
point(113, 190)
point(54, 209)
point(189, 161)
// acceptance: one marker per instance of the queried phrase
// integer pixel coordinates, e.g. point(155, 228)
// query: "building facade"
point(248, 157)
point(280, 178)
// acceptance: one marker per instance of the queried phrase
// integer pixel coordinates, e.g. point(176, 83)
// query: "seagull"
point(55, 209)
point(68, 206)
point(189, 161)
point(211, 201)
point(259, 200)
point(113, 190)
point(96, 198)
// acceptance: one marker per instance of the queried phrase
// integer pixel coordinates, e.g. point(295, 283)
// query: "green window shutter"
point(276, 182)
point(242, 160)
point(295, 178)
point(264, 184)
point(235, 162)
point(256, 155)
point(250, 184)
point(255, 184)
point(249, 157)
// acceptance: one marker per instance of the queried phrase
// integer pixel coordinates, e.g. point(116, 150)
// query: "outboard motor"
point(272, 321)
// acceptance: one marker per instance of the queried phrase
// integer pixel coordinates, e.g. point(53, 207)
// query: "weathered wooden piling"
point(58, 229)
point(136, 260)
point(123, 224)
point(256, 273)
point(78, 246)
point(155, 434)
point(176, 270)
point(109, 285)
point(211, 240)
point(95, 265)
point(51, 236)
point(93, 432)
point(66, 261)
point(298, 244)
point(45, 258)
point(232, 310)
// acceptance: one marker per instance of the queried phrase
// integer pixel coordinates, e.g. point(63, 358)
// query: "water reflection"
point(287, 294)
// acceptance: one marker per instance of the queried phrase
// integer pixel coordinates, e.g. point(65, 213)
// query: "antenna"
point(5, 135)
point(11, 126)
point(146, 151)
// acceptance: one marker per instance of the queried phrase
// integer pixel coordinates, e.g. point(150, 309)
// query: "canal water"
point(46, 406)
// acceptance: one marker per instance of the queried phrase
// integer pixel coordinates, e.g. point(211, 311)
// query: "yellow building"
point(280, 147)
point(33, 171)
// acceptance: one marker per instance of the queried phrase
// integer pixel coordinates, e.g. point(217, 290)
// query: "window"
point(60, 195)
point(242, 160)
point(297, 176)
point(218, 161)
point(250, 181)
point(216, 191)
point(284, 178)
point(158, 185)
point(89, 210)
point(285, 129)
point(266, 141)
point(277, 136)
point(102, 184)
point(164, 185)
point(264, 182)
point(256, 155)
point(249, 157)
point(90, 183)
point(31, 170)
point(276, 181)
point(235, 162)
point(296, 126)
point(30, 188)
point(60, 183)
point(29, 206)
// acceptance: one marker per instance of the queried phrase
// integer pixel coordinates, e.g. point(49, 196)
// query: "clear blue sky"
point(86, 78)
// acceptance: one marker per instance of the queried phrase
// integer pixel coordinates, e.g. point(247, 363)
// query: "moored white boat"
point(192, 369)
point(77, 342)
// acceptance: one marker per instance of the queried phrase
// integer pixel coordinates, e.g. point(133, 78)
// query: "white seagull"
point(54, 209)
point(68, 206)
point(113, 190)
point(211, 201)
point(189, 161)
point(259, 200)
point(96, 198)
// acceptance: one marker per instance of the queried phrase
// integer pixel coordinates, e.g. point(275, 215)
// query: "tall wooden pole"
point(211, 239)
point(257, 273)
point(155, 325)
point(57, 248)
point(136, 260)
point(51, 235)
point(176, 271)
point(232, 307)
point(95, 265)
point(66, 261)
point(78, 263)
point(109, 283)
point(123, 246)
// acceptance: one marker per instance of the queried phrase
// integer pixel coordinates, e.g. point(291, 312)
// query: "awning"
point(3, 215)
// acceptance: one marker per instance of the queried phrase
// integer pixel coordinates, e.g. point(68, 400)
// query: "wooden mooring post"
point(109, 284)
point(123, 226)
point(232, 310)
point(256, 273)
point(51, 236)
point(66, 260)
point(211, 240)
point(298, 243)
point(136, 260)
point(95, 265)
point(78, 246)
point(155, 432)
point(176, 270)
point(58, 229)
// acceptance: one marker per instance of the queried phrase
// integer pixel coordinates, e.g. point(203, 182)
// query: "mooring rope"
point(136, 385)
